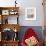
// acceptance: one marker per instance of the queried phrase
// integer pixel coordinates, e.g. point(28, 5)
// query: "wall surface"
point(39, 12)
point(24, 4)
point(37, 29)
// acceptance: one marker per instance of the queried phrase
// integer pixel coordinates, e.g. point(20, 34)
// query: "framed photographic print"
point(30, 13)
point(5, 12)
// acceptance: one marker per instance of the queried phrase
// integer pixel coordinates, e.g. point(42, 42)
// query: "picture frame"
point(5, 12)
point(30, 13)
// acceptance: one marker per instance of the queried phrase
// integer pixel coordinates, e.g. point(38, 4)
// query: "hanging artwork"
point(30, 13)
point(5, 12)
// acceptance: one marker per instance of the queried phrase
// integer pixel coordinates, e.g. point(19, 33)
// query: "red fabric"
point(29, 33)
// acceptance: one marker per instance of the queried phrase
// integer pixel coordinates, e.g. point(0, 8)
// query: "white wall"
point(23, 4)
point(7, 3)
point(39, 12)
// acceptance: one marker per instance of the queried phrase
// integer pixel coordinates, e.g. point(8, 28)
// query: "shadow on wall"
point(37, 29)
